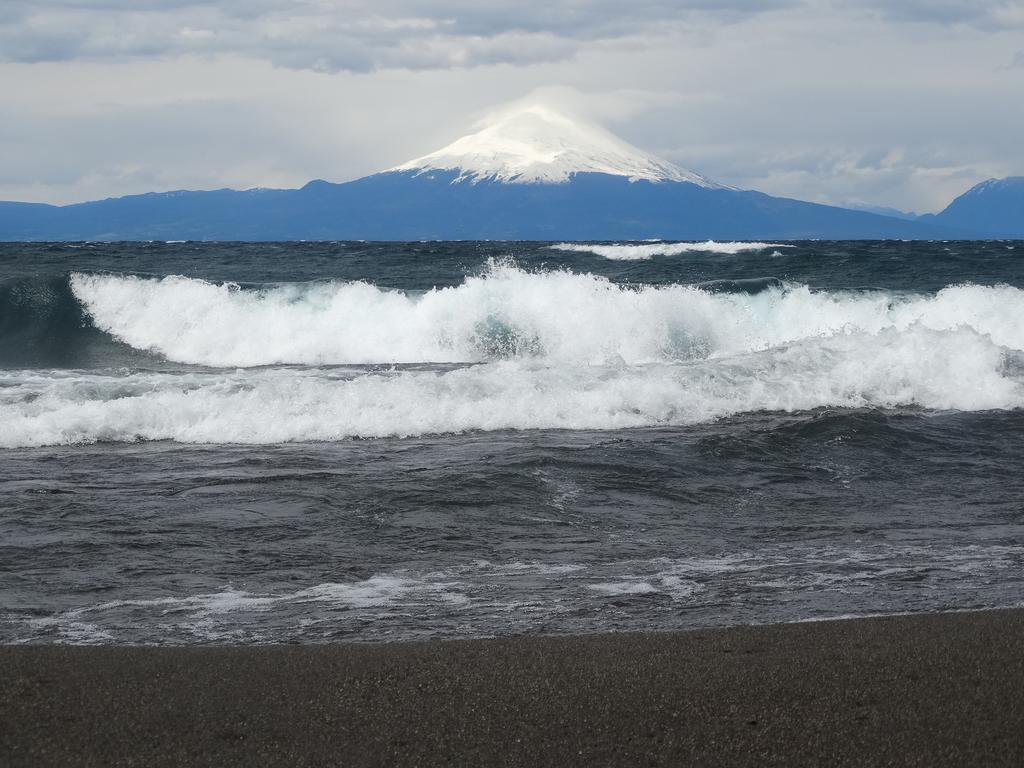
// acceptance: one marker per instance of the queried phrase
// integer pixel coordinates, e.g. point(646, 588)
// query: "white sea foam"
point(667, 584)
point(510, 313)
point(955, 369)
point(376, 592)
point(642, 252)
point(622, 588)
point(203, 614)
point(533, 350)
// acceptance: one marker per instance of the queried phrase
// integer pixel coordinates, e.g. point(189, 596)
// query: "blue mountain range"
point(533, 175)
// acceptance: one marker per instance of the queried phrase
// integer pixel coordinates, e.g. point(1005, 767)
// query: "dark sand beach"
point(928, 690)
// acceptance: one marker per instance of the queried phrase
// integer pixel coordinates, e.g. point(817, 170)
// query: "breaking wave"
point(509, 313)
point(507, 349)
point(957, 369)
point(644, 251)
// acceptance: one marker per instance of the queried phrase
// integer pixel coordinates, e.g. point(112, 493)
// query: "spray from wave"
point(509, 313)
point(644, 251)
point(506, 349)
point(957, 369)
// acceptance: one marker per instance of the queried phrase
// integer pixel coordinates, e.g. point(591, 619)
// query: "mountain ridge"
point(528, 174)
point(994, 208)
point(402, 205)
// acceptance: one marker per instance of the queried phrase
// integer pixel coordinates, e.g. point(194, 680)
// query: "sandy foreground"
point(928, 690)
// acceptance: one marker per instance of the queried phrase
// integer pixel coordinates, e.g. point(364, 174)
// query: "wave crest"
point(509, 313)
point(645, 251)
point(958, 369)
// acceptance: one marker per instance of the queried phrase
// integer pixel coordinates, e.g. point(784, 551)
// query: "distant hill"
point(994, 208)
point(531, 174)
point(882, 210)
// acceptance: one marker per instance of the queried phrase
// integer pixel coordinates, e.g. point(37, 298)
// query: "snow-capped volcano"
point(537, 144)
point(531, 173)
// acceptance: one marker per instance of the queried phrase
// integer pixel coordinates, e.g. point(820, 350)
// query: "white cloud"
point(896, 104)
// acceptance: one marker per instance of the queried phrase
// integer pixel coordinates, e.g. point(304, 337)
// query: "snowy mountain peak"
point(537, 144)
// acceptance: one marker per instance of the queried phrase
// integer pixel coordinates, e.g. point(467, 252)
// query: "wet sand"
point(929, 690)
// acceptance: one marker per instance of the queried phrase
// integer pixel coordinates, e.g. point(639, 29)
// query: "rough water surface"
point(313, 442)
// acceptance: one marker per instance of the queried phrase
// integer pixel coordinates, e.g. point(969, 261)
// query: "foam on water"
point(510, 313)
point(202, 613)
point(957, 369)
point(478, 597)
point(620, 588)
point(632, 252)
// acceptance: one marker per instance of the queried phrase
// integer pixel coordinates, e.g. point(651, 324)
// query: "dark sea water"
point(317, 442)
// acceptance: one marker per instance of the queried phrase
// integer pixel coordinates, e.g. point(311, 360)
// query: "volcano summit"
point(536, 144)
point(531, 173)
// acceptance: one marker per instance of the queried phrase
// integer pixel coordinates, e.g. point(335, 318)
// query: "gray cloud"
point(817, 99)
point(978, 12)
point(371, 35)
point(336, 35)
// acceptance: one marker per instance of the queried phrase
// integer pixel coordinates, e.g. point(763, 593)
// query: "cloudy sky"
point(902, 103)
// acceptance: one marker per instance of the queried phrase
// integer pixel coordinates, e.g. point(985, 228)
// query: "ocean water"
point(321, 442)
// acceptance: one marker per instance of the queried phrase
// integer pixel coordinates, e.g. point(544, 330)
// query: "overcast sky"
point(903, 103)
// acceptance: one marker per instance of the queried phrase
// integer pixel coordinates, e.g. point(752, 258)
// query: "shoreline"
point(922, 689)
